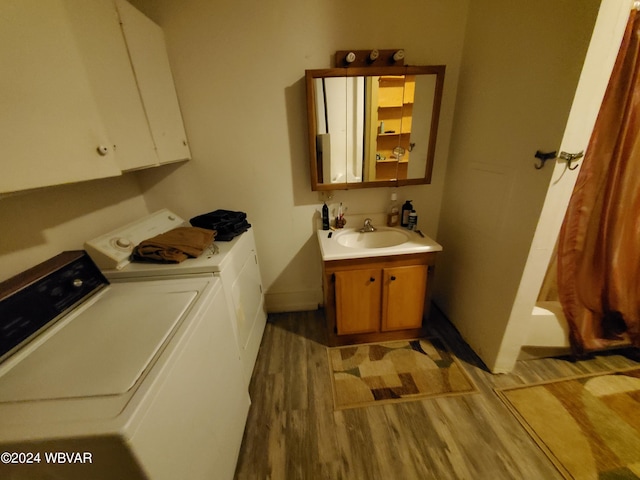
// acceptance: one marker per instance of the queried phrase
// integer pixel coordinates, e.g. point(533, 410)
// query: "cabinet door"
point(50, 126)
point(358, 301)
point(404, 290)
point(114, 85)
point(147, 50)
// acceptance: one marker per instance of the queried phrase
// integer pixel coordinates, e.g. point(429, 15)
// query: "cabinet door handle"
point(393, 277)
point(372, 279)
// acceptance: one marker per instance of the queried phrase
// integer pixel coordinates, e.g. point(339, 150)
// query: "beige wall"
point(39, 224)
point(239, 68)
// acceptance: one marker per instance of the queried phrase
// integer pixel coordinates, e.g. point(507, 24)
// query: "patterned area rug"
point(588, 426)
point(398, 371)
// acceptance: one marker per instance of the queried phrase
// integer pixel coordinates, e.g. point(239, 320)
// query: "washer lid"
point(103, 350)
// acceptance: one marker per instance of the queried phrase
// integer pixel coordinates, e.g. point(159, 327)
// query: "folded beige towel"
point(175, 245)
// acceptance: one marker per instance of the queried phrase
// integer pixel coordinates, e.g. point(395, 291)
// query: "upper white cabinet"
point(145, 41)
point(71, 107)
point(50, 123)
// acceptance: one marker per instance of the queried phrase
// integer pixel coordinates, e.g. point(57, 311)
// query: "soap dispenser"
point(406, 210)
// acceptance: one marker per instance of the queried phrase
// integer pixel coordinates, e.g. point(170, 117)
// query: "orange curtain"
point(599, 244)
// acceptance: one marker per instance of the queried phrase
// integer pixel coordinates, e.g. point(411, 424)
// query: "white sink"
point(351, 243)
point(377, 239)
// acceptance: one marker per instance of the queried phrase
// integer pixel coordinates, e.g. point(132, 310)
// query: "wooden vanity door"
point(403, 296)
point(358, 298)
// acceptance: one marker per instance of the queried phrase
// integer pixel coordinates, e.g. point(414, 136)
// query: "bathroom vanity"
point(376, 284)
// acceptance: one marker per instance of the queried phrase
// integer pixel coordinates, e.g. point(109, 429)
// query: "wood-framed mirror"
point(373, 126)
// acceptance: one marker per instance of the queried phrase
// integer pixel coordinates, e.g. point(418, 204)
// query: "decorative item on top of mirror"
point(368, 58)
point(375, 125)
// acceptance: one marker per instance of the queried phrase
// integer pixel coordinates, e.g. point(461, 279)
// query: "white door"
point(520, 69)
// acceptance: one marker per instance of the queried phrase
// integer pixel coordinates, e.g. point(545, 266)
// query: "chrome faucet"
point(367, 226)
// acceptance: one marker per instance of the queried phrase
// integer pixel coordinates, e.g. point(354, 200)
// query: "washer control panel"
point(112, 251)
point(31, 300)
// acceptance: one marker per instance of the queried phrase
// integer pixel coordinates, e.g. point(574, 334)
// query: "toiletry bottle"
point(340, 221)
point(325, 217)
point(413, 220)
point(406, 210)
point(393, 212)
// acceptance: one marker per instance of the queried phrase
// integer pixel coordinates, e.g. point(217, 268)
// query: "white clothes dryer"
point(235, 262)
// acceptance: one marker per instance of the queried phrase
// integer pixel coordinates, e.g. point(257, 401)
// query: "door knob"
point(102, 150)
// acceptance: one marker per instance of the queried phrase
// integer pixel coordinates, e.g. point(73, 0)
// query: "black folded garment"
point(226, 223)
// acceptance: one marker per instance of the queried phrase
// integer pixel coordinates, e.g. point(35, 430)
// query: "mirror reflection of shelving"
point(393, 97)
point(344, 126)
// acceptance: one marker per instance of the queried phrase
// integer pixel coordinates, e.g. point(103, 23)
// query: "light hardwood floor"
point(293, 432)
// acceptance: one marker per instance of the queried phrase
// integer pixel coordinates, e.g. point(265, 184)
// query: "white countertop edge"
point(330, 249)
point(377, 252)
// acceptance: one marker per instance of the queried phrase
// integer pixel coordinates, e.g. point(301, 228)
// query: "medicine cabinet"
point(373, 126)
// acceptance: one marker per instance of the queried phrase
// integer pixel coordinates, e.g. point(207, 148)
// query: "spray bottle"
point(325, 217)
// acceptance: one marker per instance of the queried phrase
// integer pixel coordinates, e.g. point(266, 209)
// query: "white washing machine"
point(235, 262)
point(134, 379)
